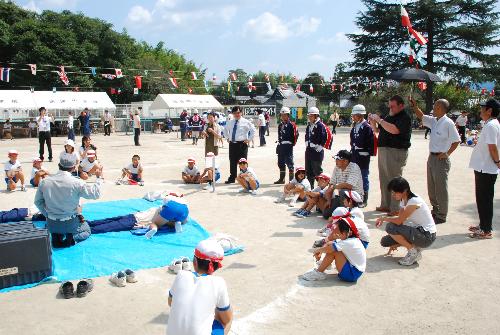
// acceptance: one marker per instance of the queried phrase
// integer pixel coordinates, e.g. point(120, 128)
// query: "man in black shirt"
point(394, 134)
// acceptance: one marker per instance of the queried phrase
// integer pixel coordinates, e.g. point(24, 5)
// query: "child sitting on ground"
point(86, 146)
point(247, 178)
point(133, 171)
point(13, 172)
point(38, 172)
point(346, 251)
point(296, 188)
point(208, 174)
point(352, 200)
point(191, 174)
point(316, 197)
point(69, 150)
point(89, 165)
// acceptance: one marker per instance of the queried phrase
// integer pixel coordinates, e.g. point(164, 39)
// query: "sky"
point(278, 36)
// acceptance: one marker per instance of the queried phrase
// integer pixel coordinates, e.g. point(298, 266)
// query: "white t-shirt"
point(137, 121)
point(194, 300)
point(262, 120)
point(304, 183)
point(251, 172)
point(353, 250)
point(443, 133)
point(191, 172)
point(44, 123)
point(16, 166)
point(481, 160)
point(461, 121)
point(357, 212)
point(35, 170)
point(421, 217)
point(86, 165)
point(73, 154)
point(134, 170)
point(364, 232)
point(70, 121)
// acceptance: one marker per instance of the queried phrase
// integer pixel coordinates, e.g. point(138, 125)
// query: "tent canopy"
point(17, 99)
point(166, 101)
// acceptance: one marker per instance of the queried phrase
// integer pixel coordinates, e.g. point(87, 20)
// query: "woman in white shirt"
point(413, 228)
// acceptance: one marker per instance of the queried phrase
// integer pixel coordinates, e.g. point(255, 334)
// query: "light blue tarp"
point(103, 254)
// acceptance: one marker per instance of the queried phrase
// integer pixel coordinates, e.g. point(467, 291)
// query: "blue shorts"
point(217, 176)
point(257, 185)
point(13, 179)
point(349, 273)
point(174, 211)
point(135, 177)
point(365, 244)
point(32, 182)
point(217, 328)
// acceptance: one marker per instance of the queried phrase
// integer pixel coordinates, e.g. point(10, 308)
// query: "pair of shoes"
point(481, 235)
point(298, 212)
point(121, 278)
point(179, 264)
point(84, 286)
point(411, 257)
point(313, 275)
point(303, 214)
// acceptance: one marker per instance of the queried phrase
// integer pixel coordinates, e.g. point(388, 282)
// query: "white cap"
point(354, 196)
point(191, 160)
point(210, 154)
point(339, 213)
point(37, 159)
point(211, 249)
point(358, 110)
point(69, 142)
point(313, 111)
point(285, 110)
point(13, 152)
point(91, 153)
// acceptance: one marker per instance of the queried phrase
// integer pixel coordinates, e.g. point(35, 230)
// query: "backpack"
point(329, 138)
point(295, 133)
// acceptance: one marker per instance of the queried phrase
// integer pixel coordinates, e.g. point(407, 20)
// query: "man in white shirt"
point(71, 131)
point(137, 127)
point(238, 132)
point(199, 301)
point(262, 127)
point(444, 140)
point(44, 133)
point(485, 161)
point(107, 123)
point(461, 123)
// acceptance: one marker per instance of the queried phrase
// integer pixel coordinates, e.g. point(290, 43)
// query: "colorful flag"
point(234, 76)
point(5, 74)
point(311, 88)
point(118, 73)
point(33, 69)
point(229, 86)
point(422, 85)
point(420, 39)
point(492, 94)
point(136, 90)
point(108, 76)
point(250, 86)
point(93, 71)
point(173, 81)
point(63, 76)
point(483, 91)
point(190, 90)
point(138, 82)
point(171, 72)
point(333, 87)
point(193, 76)
point(112, 91)
point(405, 19)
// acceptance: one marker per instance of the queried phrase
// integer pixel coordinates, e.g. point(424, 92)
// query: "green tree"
point(460, 32)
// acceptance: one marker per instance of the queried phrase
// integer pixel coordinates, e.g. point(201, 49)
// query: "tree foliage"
point(79, 42)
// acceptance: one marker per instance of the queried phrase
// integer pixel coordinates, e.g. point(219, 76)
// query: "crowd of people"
point(339, 197)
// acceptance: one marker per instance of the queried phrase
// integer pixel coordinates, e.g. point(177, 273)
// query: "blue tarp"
point(103, 254)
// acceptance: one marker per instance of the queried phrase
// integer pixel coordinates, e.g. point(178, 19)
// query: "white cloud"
point(166, 3)
point(139, 14)
point(228, 12)
point(268, 27)
point(31, 6)
point(339, 37)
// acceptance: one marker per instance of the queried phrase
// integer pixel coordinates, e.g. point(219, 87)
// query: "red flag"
point(112, 91)
point(190, 90)
point(422, 85)
point(118, 73)
point(194, 76)
point(173, 81)
point(171, 72)
point(405, 19)
point(138, 82)
point(333, 87)
point(492, 94)
point(483, 91)
point(418, 36)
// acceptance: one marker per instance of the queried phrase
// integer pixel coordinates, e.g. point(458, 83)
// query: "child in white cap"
point(38, 172)
point(199, 301)
point(13, 171)
point(191, 174)
point(89, 165)
point(296, 188)
point(69, 150)
point(352, 200)
point(247, 178)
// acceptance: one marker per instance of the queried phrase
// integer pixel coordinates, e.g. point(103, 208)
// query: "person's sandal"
point(83, 287)
point(474, 229)
point(481, 235)
point(67, 290)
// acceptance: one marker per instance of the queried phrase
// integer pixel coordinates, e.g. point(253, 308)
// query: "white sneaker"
point(292, 203)
point(324, 232)
point(410, 258)
point(141, 183)
point(253, 192)
point(118, 182)
point(150, 233)
point(186, 264)
point(130, 276)
point(313, 275)
point(119, 279)
point(175, 266)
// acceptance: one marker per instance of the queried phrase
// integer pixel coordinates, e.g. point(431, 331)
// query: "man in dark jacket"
point(315, 138)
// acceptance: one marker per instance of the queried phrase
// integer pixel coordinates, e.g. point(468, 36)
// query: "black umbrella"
point(413, 75)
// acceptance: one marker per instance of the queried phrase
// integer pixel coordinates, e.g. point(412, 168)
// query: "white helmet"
point(285, 110)
point(313, 111)
point(358, 110)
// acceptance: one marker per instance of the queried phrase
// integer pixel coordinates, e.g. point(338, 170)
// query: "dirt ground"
point(450, 291)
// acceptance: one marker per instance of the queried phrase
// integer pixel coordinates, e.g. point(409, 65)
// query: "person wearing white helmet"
point(199, 301)
point(13, 171)
point(196, 125)
point(287, 138)
point(316, 137)
point(362, 146)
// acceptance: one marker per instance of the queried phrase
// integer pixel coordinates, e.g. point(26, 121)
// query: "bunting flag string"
point(63, 76)
point(33, 69)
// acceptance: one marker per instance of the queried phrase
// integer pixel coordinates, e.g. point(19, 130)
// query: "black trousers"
point(237, 150)
point(44, 137)
point(427, 131)
point(485, 192)
point(137, 133)
point(461, 131)
point(334, 127)
point(262, 134)
point(107, 128)
point(313, 168)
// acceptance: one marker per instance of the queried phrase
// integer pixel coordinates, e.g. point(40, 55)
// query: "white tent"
point(173, 104)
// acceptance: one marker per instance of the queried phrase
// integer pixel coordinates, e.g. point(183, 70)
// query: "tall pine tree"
point(461, 34)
